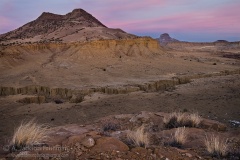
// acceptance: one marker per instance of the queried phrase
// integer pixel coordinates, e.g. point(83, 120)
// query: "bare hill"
point(77, 25)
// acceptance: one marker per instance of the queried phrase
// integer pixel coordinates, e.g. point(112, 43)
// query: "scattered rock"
point(105, 144)
point(140, 150)
point(143, 117)
point(88, 142)
point(189, 155)
point(235, 123)
point(73, 140)
point(211, 124)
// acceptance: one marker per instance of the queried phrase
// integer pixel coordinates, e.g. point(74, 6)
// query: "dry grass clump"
point(179, 137)
point(194, 120)
point(29, 133)
point(174, 120)
point(139, 137)
point(110, 125)
point(215, 146)
point(179, 119)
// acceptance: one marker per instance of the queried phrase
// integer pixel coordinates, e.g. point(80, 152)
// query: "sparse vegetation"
point(179, 119)
point(194, 120)
point(216, 146)
point(174, 120)
point(139, 137)
point(179, 137)
point(110, 125)
point(58, 101)
point(29, 133)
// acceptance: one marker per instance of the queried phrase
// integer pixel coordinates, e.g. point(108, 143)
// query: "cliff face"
point(11, 56)
point(77, 64)
point(139, 46)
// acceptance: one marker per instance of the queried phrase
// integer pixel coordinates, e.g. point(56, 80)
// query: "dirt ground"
point(216, 97)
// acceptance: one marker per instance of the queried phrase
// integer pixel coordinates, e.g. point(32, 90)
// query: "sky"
point(186, 20)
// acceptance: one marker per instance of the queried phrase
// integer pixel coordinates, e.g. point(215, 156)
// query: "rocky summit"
point(77, 25)
point(165, 38)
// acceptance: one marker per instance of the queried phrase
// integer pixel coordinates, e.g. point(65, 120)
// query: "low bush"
point(29, 134)
point(139, 137)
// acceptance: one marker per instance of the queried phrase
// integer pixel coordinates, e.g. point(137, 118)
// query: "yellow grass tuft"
point(194, 119)
point(29, 133)
point(139, 137)
point(179, 119)
point(167, 119)
point(215, 146)
point(180, 136)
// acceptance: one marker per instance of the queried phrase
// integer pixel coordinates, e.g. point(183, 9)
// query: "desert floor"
point(216, 97)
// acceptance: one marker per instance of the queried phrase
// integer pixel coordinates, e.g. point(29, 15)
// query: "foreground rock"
point(92, 142)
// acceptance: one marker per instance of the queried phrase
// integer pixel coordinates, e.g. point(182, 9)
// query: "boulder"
point(106, 144)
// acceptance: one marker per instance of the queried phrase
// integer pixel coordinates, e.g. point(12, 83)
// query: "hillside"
point(77, 25)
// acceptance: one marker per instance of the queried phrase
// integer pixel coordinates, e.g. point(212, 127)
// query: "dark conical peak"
point(164, 35)
point(80, 13)
point(165, 38)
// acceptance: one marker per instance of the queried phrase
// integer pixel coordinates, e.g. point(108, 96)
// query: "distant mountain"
point(77, 25)
point(221, 41)
point(165, 38)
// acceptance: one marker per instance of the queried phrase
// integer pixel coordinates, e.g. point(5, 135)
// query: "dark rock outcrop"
point(165, 38)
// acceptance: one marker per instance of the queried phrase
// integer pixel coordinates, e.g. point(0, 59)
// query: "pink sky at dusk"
point(188, 20)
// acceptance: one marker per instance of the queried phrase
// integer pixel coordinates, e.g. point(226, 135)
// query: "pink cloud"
point(119, 9)
point(222, 19)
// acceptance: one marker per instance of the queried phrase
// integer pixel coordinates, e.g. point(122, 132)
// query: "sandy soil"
point(216, 97)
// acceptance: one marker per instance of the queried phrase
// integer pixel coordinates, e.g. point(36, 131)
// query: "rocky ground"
point(217, 100)
point(117, 88)
point(106, 138)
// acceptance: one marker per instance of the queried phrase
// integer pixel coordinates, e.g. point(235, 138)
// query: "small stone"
point(189, 155)
point(88, 142)
point(79, 153)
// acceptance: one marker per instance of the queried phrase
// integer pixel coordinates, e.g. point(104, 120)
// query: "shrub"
point(215, 146)
point(110, 125)
point(28, 134)
point(174, 120)
point(179, 137)
point(179, 119)
point(193, 120)
point(139, 137)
